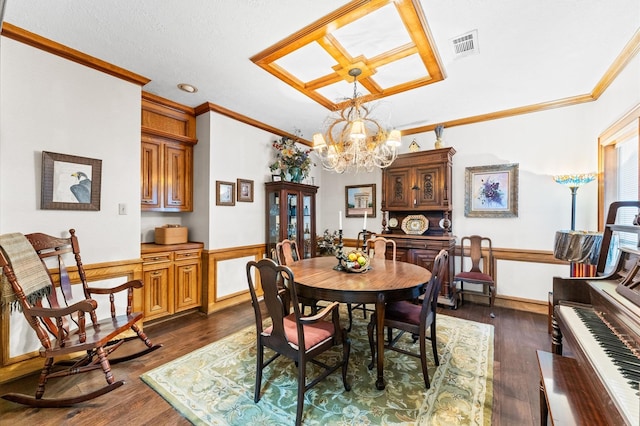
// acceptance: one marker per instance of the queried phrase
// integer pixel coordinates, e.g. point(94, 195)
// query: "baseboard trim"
point(526, 305)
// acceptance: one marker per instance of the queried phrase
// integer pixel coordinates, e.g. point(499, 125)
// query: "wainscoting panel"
point(224, 277)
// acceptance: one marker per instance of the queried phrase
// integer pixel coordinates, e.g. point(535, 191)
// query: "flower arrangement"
point(327, 245)
point(291, 159)
point(490, 192)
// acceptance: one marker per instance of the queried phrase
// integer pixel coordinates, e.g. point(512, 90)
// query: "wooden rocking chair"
point(62, 330)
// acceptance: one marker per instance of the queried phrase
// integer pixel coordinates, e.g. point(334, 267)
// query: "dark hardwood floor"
point(515, 388)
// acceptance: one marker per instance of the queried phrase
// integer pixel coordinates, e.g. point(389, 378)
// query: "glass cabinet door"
point(307, 227)
point(273, 220)
point(292, 216)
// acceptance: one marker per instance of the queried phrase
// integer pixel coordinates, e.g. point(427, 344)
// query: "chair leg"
point(346, 351)
point(423, 359)
point(350, 311)
point(433, 343)
point(104, 363)
point(301, 389)
point(259, 362)
point(42, 381)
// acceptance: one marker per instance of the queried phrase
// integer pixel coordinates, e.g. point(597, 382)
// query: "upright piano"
point(599, 318)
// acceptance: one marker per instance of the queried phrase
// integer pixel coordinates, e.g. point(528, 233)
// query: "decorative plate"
point(415, 224)
point(393, 222)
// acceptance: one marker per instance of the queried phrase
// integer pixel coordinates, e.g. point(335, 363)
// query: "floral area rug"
point(214, 385)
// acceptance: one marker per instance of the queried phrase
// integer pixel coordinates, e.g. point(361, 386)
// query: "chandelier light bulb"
point(353, 140)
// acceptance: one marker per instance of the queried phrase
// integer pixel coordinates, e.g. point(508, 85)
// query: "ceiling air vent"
point(466, 44)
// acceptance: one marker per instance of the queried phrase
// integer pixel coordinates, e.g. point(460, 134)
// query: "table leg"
point(380, 305)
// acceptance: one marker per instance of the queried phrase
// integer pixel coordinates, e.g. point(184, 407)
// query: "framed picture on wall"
point(491, 191)
point(70, 182)
point(359, 199)
point(225, 193)
point(245, 190)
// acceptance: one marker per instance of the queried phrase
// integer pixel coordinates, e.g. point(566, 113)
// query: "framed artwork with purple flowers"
point(491, 191)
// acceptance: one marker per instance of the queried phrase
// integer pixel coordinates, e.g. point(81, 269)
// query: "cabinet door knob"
point(156, 273)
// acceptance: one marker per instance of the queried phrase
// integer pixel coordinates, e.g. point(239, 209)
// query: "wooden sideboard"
point(172, 276)
point(419, 185)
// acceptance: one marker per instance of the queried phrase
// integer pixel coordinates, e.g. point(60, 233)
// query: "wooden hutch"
point(416, 197)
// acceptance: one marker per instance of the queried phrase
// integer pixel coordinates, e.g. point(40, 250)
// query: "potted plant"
point(293, 162)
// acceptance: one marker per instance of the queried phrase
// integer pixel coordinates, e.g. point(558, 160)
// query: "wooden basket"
point(355, 266)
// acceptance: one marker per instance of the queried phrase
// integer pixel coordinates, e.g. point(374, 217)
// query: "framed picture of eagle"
point(70, 182)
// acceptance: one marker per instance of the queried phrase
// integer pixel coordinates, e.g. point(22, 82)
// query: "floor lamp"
point(581, 248)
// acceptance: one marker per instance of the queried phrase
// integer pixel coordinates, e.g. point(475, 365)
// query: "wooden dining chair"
point(62, 327)
point(472, 247)
point(409, 317)
point(293, 335)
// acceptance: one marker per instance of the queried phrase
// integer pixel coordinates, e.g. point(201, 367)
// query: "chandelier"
point(355, 141)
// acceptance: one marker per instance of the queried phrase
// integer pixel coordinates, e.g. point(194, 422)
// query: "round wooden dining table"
point(385, 281)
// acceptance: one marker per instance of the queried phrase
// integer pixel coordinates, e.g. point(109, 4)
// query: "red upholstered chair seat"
point(470, 277)
point(313, 333)
point(403, 311)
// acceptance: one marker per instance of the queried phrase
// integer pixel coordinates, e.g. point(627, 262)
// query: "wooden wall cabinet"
point(420, 184)
point(291, 214)
point(168, 137)
point(172, 276)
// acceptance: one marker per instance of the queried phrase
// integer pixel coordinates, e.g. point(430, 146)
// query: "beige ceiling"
point(528, 53)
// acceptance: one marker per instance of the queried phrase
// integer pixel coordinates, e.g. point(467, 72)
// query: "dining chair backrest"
point(287, 252)
point(377, 247)
point(472, 247)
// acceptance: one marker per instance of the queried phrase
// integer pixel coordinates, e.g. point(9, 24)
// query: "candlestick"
point(339, 255)
point(364, 226)
point(340, 220)
point(364, 241)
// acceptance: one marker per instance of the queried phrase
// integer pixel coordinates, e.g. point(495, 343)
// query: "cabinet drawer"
point(151, 258)
point(413, 244)
point(187, 255)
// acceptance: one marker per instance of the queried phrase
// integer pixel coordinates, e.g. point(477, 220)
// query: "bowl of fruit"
point(357, 261)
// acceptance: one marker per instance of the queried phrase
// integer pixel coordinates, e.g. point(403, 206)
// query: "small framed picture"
point(359, 199)
point(245, 190)
point(276, 178)
point(225, 193)
point(70, 182)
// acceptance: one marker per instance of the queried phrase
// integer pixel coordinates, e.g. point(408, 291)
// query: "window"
point(619, 165)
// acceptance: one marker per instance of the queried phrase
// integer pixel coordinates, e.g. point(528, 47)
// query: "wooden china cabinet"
point(416, 197)
point(291, 214)
point(166, 171)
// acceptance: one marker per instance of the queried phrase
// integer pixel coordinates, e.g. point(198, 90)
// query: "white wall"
point(228, 150)
point(52, 104)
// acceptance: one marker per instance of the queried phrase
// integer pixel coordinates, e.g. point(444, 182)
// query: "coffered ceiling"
point(285, 63)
